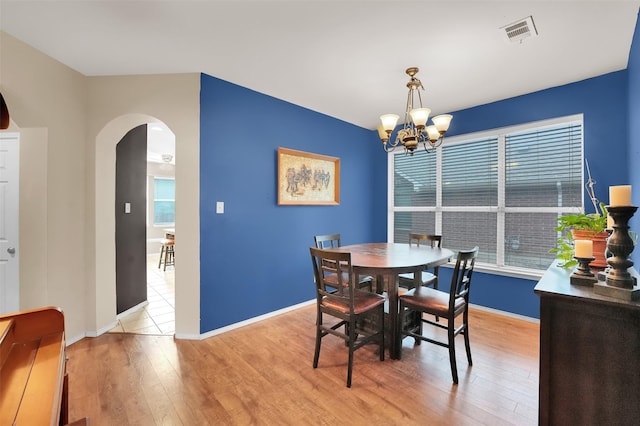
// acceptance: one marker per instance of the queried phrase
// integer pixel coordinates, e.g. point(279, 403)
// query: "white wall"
point(78, 120)
point(47, 103)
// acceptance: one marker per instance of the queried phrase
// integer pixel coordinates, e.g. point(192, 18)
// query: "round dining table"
point(386, 261)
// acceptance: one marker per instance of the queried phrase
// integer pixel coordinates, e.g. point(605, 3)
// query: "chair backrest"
point(337, 264)
point(327, 241)
point(434, 240)
point(461, 278)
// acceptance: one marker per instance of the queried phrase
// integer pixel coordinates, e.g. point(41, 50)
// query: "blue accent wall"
point(255, 257)
point(633, 71)
point(499, 292)
point(603, 101)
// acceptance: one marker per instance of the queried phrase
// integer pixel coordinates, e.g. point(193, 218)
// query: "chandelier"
point(414, 131)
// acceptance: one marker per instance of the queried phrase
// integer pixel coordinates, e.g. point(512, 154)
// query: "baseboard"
point(180, 336)
point(251, 320)
point(75, 339)
point(505, 313)
point(310, 302)
point(133, 309)
point(111, 325)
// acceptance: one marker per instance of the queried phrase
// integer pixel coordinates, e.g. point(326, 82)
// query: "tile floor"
point(157, 317)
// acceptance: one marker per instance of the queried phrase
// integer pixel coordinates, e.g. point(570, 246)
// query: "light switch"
point(220, 207)
point(127, 207)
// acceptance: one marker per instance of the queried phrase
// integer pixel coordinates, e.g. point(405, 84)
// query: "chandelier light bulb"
point(389, 121)
point(382, 133)
point(433, 133)
point(442, 122)
point(420, 116)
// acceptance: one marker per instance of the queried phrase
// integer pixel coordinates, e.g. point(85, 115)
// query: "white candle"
point(584, 248)
point(620, 195)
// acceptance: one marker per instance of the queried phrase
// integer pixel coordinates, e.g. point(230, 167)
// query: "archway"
point(104, 221)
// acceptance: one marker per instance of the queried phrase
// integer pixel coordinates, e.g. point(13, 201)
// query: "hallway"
point(158, 316)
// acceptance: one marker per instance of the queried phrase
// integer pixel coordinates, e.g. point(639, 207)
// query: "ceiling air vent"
point(518, 31)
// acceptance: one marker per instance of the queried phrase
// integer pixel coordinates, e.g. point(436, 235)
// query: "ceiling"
point(346, 59)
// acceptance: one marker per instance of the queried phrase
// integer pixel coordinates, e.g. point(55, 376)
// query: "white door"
point(9, 265)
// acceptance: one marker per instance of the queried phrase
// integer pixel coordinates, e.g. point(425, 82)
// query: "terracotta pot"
point(599, 245)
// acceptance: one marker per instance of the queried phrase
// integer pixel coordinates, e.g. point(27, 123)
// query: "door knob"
point(11, 250)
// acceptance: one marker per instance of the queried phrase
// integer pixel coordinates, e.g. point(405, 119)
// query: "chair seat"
point(431, 301)
point(428, 279)
point(362, 302)
point(332, 279)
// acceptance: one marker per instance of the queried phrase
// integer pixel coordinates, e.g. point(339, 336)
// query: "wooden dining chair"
point(333, 241)
point(358, 316)
point(448, 305)
point(428, 278)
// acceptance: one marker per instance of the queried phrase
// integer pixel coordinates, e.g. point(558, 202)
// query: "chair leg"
point(466, 338)
point(166, 255)
point(316, 355)
point(402, 315)
point(419, 319)
point(352, 342)
point(466, 343)
point(435, 287)
point(452, 351)
point(382, 334)
point(161, 252)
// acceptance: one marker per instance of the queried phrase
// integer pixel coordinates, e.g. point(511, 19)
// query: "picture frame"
point(305, 178)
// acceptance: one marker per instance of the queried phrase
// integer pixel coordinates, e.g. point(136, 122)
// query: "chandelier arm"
point(395, 143)
point(438, 142)
point(428, 147)
point(390, 147)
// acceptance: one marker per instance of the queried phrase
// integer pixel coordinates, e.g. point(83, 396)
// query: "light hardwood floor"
point(262, 374)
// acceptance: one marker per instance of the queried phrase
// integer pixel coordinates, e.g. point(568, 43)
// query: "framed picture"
point(307, 179)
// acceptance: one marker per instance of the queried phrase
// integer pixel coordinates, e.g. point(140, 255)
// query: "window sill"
point(526, 274)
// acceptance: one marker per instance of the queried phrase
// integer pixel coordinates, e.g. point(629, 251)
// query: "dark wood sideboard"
point(589, 355)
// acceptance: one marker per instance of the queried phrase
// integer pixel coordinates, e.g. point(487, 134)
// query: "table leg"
point(394, 328)
point(379, 284)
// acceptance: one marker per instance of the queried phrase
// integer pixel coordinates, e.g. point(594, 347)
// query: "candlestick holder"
point(619, 282)
point(583, 275)
point(602, 275)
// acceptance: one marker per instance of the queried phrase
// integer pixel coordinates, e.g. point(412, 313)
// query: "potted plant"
point(583, 226)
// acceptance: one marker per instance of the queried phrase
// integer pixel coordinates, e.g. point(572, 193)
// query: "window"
point(164, 201)
point(502, 190)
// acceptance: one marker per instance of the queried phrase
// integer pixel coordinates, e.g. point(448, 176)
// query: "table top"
point(398, 257)
point(556, 283)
